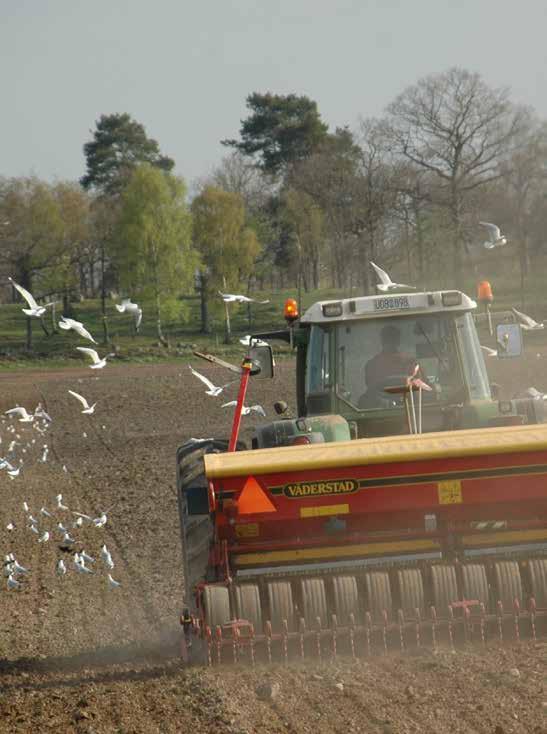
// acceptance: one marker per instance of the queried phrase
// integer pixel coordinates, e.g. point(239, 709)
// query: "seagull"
point(495, 237)
point(44, 537)
point(44, 454)
point(386, 285)
point(82, 516)
point(10, 526)
point(134, 308)
point(59, 500)
point(17, 568)
point(489, 352)
point(113, 584)
point(22, 412)
point(88, 409)
point(98, 363)
point(86, 557)
point(79, 564)
point(39, 412)
point(213, 389)
point(67, 540)
point(100, 521)
point(236, 298)
point(76, 326)
point(34, 309)
point(105, 553)
point(252, 341)
point(25, 507)
point(13, 583)
point(14, 472)
point(60, 568)
point(527, 322)
point(78, 523)
point(45, 512)
point(246, 409)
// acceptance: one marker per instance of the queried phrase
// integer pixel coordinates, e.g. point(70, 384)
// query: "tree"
point(307, 225)
point(153, 240)
point(458, 128)
point(119, 145)
point(227, 246)
point(280, 130)
point(30, 232)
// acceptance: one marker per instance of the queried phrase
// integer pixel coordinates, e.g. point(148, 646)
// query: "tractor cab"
point(355, 356)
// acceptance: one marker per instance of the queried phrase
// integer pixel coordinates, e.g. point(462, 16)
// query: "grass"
point(184, 336)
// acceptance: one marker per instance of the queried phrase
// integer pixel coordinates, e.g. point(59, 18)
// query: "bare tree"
point(458, 128)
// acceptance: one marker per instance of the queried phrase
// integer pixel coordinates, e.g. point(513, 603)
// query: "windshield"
point(377, 353)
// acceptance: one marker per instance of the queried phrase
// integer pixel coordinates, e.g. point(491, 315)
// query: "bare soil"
point(77, 656)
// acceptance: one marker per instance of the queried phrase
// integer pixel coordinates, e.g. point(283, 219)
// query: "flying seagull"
point(246, 409)
point(127, 306)
point(98, 363)
point(88, 409)
point(236, 298)
point(76, 326)
point(495, 237)
point(252, 341)
point(489, 352)
point(24, 417)
point(386, 285)
point(527, 322)
point(34, 309)
point(212, 389)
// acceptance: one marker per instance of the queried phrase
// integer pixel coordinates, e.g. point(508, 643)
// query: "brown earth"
point(76, 656)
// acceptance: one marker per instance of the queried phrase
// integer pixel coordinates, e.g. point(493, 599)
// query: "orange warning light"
point(253, 499)
point(484, 292)
point(290, 310)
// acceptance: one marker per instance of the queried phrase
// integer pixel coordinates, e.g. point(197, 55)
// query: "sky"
point(183, 68)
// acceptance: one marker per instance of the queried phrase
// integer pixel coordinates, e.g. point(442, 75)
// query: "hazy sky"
point(184, 68)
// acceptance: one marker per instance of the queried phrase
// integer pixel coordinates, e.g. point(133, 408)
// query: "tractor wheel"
point(475, 584)
point(508, 583)
point(538, 579)
point(445, 588)
point(281, 605)
point(216, 602)
point(314, 602)
point(248, 605)
point(411, 589)
point(346, 598)
point(378, 594)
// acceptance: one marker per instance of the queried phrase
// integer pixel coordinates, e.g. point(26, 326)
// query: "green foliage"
point(280, 130)
point(228, 247)
point(152, 239)
point(119, 145)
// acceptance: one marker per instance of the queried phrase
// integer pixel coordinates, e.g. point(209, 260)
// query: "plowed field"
point(78, 656)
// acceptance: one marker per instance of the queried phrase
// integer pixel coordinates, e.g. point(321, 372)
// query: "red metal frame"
point(245, 374)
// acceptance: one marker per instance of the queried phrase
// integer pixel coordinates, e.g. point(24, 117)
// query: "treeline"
point(292, 203)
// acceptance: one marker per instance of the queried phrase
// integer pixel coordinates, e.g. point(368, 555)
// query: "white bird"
point(489, 352)
point(113, 584)
point(386, 285)
point(246, 409)
point(527, 322)
point(98, 363)
point(45, 512)
point(76, 326)
point(44, 537)
point(14, 472)
point(78, 523)
point(59, 500)
point(213, 389)
point(236, 298)
point(44, 455)
point(25, 507)
point(10, 526)
point(18, 569)
point(22, 412)
point(495, 237)
point(127, 306)
point(34, 309)
point(60, 568)
point(105, 553)
point(100, 521)
point(67, 540)
point(86, 557)
point(249, 341)
point(61, 528)
point(88, 409)
point(39, 412)
point(13, 583)
point(79, 564)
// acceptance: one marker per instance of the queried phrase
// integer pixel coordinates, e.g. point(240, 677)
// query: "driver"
point(390, 361)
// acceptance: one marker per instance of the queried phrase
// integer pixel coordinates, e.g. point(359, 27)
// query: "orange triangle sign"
point(253, 499)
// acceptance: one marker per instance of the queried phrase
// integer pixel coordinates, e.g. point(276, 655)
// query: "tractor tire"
point(196, 528)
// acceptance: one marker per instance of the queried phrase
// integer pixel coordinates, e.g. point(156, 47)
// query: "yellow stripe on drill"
point(323, 510)
point(346, 551)
point(504, 538)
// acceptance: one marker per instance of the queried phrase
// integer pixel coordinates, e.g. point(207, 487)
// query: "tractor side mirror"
point(509, 340)
point(261, 356)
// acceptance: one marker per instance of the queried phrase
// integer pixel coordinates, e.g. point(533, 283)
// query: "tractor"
point(405, 502)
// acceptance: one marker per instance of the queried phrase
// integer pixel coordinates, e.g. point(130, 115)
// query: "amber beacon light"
point(484, 292)
point(290, 310)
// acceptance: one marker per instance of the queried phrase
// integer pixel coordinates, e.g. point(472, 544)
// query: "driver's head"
point(391, 338)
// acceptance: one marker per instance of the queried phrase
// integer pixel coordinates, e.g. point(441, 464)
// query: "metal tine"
point(532, 608)
point(235, 643)
point(268, 631)
point(384, 629)
point(499, 608)
point(318, 637)
point(401, 620)
point(352, 634)
point(334, 627)
point(418, 622)
point(285, 641)
point(467, 622)
point(368, 628)
point(252, 644)
point(218, 641)
point(516, 618)
point(451, 626)
point(433, 613)
point(302, 631)
point(209, 637)
point(483, 623)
